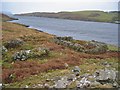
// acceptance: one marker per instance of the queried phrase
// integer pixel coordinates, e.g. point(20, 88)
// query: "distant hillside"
point(98, 16)
point(4, 17)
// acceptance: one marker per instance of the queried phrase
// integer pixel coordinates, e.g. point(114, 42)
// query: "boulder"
point(106, 76)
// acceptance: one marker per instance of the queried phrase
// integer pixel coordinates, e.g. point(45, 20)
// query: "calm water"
point(81, 30)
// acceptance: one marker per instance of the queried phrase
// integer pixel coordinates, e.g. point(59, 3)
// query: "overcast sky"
point(25, 6)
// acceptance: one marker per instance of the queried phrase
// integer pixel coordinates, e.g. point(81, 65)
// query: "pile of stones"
point(91, 47)
point(100, 77)
point(35, 53)
point(22, 55)
point(14, 43)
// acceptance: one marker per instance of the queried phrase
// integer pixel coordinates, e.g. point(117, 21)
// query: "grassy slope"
point(98, 16)
point(25, 72)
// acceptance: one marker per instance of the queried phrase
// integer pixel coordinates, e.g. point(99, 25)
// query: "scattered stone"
point(4, 50)
point(57, 78)
point(46, 85)
point(115, 84)
point(95, 84)
point(66, 65)
point(61, 84)
point(40, 85)
point(71, 77)
point(83, 83)
point(76, 70)
point(48, 80)
point(26, 86)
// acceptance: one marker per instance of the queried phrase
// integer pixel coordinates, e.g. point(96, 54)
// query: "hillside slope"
point(40, 69)
point(4, 17)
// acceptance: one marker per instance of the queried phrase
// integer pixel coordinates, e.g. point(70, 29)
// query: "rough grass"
point(87, 66)
point(59, 55)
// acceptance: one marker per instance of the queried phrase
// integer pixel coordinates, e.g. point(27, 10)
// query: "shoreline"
point(37, 29)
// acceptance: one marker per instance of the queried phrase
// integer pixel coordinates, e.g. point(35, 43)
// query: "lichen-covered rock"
point(61, 84)
point(36, 53)
point(14, 43)
point(106, 76)
point(22, 55)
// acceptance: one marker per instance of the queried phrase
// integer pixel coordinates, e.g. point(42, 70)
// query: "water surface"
point(81, 30)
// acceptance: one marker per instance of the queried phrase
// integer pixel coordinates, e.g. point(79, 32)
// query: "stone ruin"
point(35, 53)
point(91, 47)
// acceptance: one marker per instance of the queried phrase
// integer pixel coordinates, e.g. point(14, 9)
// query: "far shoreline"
point(71, 19)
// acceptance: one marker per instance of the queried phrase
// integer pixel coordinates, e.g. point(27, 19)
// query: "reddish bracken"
point(22, 69)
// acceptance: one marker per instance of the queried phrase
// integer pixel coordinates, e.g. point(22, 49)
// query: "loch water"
point(79, 30)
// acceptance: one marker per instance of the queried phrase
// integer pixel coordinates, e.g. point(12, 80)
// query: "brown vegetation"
point(22, 69)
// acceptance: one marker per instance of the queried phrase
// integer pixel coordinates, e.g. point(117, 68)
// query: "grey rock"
point(4, 50)
point(46, 85)
point(71, 77)
point(22, 55)
point(83, 83)
point(76, 70)
point(115, 84)
point(105, 76)
point(61, 84)
point(94, 84)
point(66, 65)
point(57, 78)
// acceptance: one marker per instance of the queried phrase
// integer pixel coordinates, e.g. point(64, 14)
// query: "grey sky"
point(22, 6)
